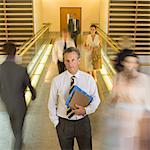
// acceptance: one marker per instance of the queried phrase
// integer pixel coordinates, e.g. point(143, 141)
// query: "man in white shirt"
point(78, 126)
point(60, 45)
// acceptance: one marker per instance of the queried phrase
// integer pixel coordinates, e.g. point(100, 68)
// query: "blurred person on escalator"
point(125, 45)
point(60, 45)
point(14, 80)
point(128, 103)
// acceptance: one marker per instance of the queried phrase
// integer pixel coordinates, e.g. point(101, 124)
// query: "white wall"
point(51, 12)
point(38, 14)
point(104, 14)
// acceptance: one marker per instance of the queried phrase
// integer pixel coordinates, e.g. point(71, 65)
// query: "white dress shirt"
point(58, 48)
point(75, 24)
point(59, 92)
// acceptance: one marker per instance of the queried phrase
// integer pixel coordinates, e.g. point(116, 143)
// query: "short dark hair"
point(122, 56)
point(93, 25)
point(72, 49)
point(9, 48)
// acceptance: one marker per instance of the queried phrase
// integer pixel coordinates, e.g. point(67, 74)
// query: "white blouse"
point(93, 43)
point(137, 91)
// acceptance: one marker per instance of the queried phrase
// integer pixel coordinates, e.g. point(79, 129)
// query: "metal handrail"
point(27, 42)
point(30, 43)
point(114, 44)
point(104, 55)
point(110, 39)
point(111, 43)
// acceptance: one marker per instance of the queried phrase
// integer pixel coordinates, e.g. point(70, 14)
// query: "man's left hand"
point(80, 110)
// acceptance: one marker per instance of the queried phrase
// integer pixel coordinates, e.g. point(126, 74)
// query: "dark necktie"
point(69, 111)
point(71, 84)
point(65, 45)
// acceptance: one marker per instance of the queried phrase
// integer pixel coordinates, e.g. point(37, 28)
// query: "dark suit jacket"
point(71, 26)
point(14, 79)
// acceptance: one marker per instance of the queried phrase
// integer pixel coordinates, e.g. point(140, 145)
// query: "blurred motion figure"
point(60, 46)
point(129, 100)
point(14, 80)
point(74, 27)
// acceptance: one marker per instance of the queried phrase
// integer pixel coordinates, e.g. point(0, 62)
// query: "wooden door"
point(64, 15)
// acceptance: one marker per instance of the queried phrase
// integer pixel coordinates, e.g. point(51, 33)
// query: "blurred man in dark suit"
point(14, 80)
point(74, 28)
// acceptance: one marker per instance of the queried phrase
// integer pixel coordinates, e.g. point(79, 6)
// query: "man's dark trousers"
point(67, 130)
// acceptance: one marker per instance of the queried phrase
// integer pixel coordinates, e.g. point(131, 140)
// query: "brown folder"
point(79, 99)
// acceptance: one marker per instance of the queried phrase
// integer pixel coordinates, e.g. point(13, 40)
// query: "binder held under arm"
point(79, 97)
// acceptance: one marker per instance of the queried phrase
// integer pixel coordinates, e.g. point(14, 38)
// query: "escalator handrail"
point(28, 41)
point(106, 59)
point(31, 41)
point(111, 43)
point(109, 38)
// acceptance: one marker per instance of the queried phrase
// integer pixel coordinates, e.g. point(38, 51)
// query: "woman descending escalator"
point(92, 49)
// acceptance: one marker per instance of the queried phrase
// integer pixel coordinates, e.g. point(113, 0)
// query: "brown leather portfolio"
point(79, 99)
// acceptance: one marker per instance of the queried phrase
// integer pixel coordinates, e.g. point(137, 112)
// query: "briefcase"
point(79, 97)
